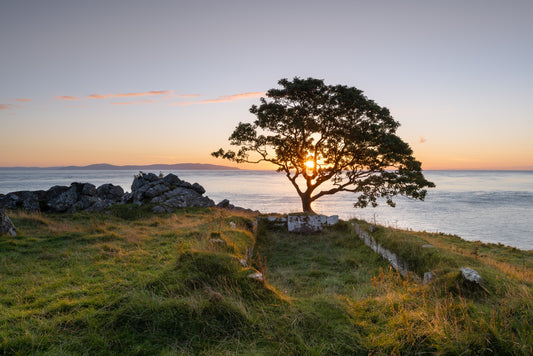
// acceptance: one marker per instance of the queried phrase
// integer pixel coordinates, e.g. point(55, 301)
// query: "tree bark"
point(306, 204)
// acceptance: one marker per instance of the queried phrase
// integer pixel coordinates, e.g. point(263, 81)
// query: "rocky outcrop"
point(79, 196)
point(167, 193)
point(6, 226)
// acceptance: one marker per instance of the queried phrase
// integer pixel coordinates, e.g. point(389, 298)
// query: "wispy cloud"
point(66, 97)
point(6, 106)
point(134, 102)
point(422, 140)
point(223, 99)
point(148, 93)
point(23, 100)
point(96, 96)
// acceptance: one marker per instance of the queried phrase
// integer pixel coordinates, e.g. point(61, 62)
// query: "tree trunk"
point(306, 204)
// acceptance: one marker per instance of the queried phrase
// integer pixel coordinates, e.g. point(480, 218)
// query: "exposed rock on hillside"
point(167, 193)
point(79, 196)
point(6, 226)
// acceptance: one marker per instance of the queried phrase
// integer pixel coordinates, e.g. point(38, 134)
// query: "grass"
point(131, 282)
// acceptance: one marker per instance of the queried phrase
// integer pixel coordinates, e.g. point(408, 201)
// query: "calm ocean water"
point(490, 206)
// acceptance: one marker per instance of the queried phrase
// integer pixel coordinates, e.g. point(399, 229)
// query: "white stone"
point(305, 223)
point(232, 225)
point(471, 275)
point(257, 276)
point(332, 220)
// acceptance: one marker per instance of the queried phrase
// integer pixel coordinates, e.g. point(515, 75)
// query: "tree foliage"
point(329, 139)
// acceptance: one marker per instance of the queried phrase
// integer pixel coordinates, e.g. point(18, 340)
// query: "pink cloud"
point(23, 100)
point(224, 99)
point(96, 96)
point(6, 106)
point(153, 92)
point(66, 97)
point(422, 140)
point(134, 102)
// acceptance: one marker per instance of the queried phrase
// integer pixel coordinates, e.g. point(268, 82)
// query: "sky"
point(143, 82)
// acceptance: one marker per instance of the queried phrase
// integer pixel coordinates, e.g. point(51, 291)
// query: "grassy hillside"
point(130, 282)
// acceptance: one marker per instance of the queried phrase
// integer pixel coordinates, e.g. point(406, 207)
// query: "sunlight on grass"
point(137, 283)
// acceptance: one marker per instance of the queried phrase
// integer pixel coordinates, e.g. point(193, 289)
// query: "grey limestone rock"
point(167, 192)
point(65, 200)
point(88, 189)
point(6, 226)
point(110, 192)
point(198, 188)
point(171, 179)
point(471, 275)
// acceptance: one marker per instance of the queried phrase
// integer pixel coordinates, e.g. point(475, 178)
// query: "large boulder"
point(110, 192)
point(65, 200)
point(168, 193)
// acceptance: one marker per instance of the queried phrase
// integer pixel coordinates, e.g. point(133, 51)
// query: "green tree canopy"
point(329, 139)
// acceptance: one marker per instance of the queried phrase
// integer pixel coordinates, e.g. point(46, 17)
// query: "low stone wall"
point(393, 259)
point(304, 223)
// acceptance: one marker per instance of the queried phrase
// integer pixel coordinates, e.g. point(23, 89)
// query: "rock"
point(55, 192)
point(372, 228)
point(100, 205)
point(305, 223)
point(24, 199)
point(472, 276)
point(332, 220)
point(88, 189)
point(257, 276)
point(167, 192)
point(224, 204)
point(156, 190)
point(171, 179)
point(158, 209)
point(110, 192)
point(232, 225)
point(198, 188)
point(427, 246)
point(6, 226)
point(9, 201)
point(30, 201)
point(428, 277)
point(65, 200)
point(176, 202)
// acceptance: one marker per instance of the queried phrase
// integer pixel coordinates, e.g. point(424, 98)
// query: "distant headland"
point(165, 167)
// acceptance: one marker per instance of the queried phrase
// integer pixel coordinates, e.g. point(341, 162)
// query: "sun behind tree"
point(317, 133)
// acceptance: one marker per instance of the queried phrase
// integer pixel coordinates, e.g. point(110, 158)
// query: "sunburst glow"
point(309, 164)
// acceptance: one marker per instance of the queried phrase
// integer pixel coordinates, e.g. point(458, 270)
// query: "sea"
point(487, 206)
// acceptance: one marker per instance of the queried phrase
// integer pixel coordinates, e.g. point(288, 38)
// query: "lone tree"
point(329, 137)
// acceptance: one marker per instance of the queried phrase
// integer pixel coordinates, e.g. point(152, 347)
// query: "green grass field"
point(133, 283)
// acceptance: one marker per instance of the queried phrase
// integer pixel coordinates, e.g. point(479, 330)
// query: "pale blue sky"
point(456, 74)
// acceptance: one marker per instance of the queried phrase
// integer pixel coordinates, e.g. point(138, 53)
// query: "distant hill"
point(160, 167)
